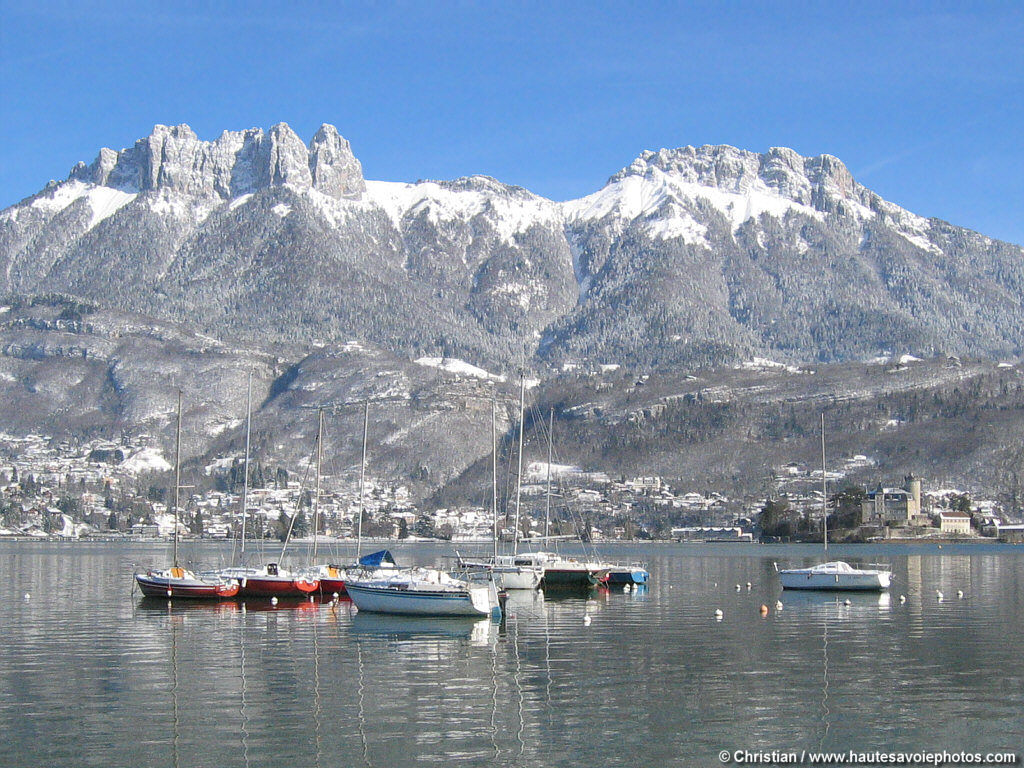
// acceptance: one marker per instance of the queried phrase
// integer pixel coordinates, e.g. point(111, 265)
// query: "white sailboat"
point(378, 587)
point(508, 571)
point(835, 574)
point(559, 571)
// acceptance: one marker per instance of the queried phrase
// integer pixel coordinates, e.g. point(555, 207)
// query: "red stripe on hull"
point(207, 592)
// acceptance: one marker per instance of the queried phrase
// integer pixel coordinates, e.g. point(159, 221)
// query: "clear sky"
point(923, 101)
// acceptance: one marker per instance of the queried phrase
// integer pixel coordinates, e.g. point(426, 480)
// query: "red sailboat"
point(177, 581)
point(270, 580)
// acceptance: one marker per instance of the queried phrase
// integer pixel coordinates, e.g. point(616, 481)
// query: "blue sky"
point(923, 101)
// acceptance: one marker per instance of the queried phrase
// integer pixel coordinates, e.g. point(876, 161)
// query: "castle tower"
point(912, 485)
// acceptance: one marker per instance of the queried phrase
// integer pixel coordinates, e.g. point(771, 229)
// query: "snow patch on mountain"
point(454, 365)
point(508, 213)
point(146, 460)
point(669, 202)
point(239, 201)
point(281, 209)
point(60, 197)
point(105, 202)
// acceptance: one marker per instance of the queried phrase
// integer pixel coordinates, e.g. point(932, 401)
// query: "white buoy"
point(28, 596)
point(335, 596)
point(738, 587)
point(903, 598)
point(778, 605)
point(960, 594)
point(586, 619)
point(748, 586)
point(168, 593)
point(847, 602)
point(273, 601)
point(719, 614)
point(938, 595)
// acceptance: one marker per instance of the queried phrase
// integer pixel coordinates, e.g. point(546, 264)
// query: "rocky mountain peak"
point(236, 163)
point(335, 170)
point(817, 181)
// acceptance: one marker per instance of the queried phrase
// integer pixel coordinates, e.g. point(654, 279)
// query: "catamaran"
point(836, 574)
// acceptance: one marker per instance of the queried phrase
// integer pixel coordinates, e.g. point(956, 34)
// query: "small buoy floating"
point(168, 592)
point(778, 605)
point(738, 587)
point(903, 598)
point(273, 601)
point(960, 594)
point(748, 586)
point(938, 595)
point(719, 614)
point(335, 596)
point(586, 619)
point(764, 609)
point(28, 596)
point(847, 602)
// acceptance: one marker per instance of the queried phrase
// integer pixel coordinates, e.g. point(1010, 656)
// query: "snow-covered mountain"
point(686, 256)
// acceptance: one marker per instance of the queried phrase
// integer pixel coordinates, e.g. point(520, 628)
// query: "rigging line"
point(298, 505)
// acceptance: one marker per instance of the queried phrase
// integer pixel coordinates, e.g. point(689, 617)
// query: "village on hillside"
point(107, 490)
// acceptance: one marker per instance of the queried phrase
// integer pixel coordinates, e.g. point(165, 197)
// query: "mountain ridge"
point(696, 255)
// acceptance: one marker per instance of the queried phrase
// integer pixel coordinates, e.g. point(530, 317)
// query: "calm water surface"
point(93, 675)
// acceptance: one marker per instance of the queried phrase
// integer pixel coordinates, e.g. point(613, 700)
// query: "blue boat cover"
point(378, 559)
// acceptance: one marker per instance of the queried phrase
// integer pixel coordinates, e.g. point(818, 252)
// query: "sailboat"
point(835, 574)
point(272, 579)
point(508, 571)
point(177, 581)
point(379, 587)
point(334, 578)
point(559, 571)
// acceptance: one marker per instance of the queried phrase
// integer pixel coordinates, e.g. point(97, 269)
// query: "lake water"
point(92, 675)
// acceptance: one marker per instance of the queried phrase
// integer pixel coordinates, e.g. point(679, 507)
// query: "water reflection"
point(652, 677)
point(412, 628)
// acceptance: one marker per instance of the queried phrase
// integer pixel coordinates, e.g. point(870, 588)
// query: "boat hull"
point(277, 586)
point(471, 602)
point(805, 578)
point(332, 586)
point(628, 576)
point(153, 585)
point(518, 578)
point(573, 578)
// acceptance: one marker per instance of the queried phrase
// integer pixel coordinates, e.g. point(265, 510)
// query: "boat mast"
point(494, 476)
point(245, 469)
point(362, 482)
point(519, 473)
point(824, 488)
point(177, 479)
point(316, 496)
point(547, 510)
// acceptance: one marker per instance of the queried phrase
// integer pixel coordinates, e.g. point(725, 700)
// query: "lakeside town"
point(108, 490)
